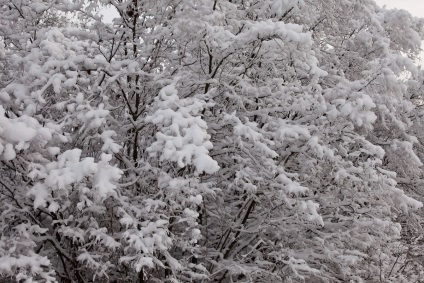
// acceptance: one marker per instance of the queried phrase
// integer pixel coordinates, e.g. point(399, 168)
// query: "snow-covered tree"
point(210, 141)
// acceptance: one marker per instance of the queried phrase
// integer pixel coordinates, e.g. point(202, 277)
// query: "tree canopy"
point(210, 141)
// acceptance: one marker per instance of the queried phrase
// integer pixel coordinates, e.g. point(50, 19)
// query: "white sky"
point(415, 7)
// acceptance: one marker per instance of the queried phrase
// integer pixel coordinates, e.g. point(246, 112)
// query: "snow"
point(183, 137)
point(104, 178)
point(54, 150)
point(245, 141)
point(9, 153)
point(17, 132)
point(109, 144)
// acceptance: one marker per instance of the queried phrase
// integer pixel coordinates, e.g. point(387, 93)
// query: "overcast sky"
point(415, 7)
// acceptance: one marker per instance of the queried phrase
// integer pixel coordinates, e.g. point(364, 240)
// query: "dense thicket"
point(210, 141)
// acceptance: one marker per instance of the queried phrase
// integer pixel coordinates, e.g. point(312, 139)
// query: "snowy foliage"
point(210, 141)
